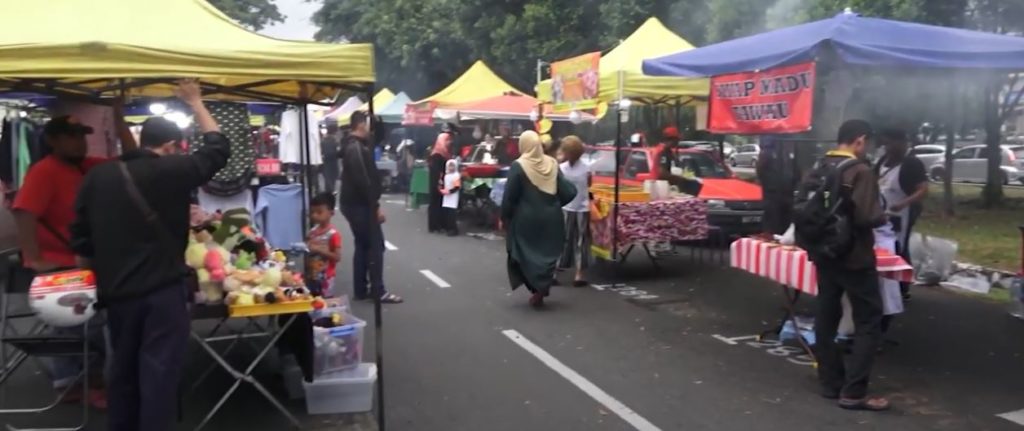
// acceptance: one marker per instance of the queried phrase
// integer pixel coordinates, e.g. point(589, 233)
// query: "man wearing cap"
point(132, 229)
point(667, 160)
point(43, 211)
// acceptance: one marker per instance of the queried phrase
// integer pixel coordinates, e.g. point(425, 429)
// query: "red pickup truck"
point(734, 206)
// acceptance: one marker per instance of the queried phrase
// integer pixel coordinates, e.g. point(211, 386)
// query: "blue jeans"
point(368, 256)
point(64, 371)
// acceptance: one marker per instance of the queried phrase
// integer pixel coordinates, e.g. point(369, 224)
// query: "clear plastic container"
point(345, 392)
point(339, 348)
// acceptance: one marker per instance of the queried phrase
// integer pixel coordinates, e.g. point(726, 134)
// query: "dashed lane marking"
point(631, 417)
point(434, 278)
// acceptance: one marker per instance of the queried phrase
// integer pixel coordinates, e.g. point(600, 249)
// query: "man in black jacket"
point(360, 204)
point(132, 229)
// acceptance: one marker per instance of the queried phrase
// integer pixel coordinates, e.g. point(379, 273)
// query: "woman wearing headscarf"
point(532, 213)
point(438, 157)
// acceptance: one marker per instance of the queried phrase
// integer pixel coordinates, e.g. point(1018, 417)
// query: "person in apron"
point(903, 183)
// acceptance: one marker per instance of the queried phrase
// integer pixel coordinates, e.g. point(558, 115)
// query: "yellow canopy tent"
point(382, 99)
point(479, 82)
point(99, 48)
point(622, 74)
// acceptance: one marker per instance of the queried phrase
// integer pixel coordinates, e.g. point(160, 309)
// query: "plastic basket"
point(346, 392)
point(339, 348)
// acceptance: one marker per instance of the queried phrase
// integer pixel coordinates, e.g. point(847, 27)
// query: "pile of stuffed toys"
point(234, 265)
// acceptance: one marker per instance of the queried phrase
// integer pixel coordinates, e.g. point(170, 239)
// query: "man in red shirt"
point(44, 206)
point(43, 211)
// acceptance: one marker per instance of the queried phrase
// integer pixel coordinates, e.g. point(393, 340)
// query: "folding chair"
point(35, 345)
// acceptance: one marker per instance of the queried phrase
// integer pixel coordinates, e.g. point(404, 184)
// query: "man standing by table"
point(131, 229)
point(853, 273)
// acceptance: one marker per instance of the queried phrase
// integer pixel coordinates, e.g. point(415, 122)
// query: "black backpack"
point(822, 212)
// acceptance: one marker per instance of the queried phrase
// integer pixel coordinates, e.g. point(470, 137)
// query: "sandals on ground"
point(391, 298)
point(865, 404)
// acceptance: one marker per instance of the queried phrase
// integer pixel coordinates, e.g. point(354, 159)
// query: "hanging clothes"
point(7, 154)
point(290, 143)
point(212, 203)
point(233, 119)
point(25, 159)
point(279, 214)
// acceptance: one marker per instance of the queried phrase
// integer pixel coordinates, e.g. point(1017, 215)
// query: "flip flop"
point(391, 298)
point(865, 404)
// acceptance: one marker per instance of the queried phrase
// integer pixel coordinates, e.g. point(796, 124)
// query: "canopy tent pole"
point(304, 167)
point(618, 147)
point(378, 320)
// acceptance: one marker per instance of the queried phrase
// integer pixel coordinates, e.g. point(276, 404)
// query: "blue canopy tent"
point(855, 40)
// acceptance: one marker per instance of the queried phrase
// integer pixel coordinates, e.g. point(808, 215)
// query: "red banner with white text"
point(779, 100)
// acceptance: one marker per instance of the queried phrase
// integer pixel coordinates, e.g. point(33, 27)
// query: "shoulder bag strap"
point(140, 202)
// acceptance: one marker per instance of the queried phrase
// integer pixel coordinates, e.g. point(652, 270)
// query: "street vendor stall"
point(772, 84)
point(615, 79)
point(106, 50)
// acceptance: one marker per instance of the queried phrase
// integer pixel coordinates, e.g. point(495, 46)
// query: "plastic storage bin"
point(339, 348)
point(344, 392)
point(292, 375)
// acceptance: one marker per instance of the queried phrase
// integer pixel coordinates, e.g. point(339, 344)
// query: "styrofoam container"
point(345, 392)
point(339, 348)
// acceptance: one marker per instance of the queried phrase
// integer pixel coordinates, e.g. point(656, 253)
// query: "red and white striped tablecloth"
point(791, 267)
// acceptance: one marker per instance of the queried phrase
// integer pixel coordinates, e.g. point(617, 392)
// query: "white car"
point(745, 155)
point(710, 146)
point(929, 154)
point(970, 165)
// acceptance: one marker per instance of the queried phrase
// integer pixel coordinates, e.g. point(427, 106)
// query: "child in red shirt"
point(324, 242)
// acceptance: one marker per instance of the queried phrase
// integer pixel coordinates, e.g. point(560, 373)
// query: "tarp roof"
point(382, 98)
point(394, 111)
point(856, 40)
point(651, 39)
point(478, 82)
point(345, 109)
point(85, 46)
point(504, 107)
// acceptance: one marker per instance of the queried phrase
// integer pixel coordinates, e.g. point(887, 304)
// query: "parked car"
point(929, 154)
point(710, 146)
point(970, 165)
point(734, 206)
point(745, 155)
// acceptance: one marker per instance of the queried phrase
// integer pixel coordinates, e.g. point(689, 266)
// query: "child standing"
point(324, 242)
point(451, 184)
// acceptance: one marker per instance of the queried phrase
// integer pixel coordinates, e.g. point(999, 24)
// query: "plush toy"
point(272, 278)
point(195, 255)
point(244, 260)
point(232, 284)
point(214, 263)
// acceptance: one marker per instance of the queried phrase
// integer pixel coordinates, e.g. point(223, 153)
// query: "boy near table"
point(324, 242)
point(856, 275)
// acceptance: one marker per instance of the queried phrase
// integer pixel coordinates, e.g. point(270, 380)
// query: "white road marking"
point(388, 245)
point(1016, 417)
point(434, 278)
point(631, 417)
point(599, 286)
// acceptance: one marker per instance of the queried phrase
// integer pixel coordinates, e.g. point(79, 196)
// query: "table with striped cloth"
point(790, 266)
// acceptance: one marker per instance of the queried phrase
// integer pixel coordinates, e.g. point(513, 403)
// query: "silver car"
point(970, 165)
point(929, 154)
point(745, 155)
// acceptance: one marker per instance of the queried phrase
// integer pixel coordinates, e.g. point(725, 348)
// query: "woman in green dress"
point(532, 213)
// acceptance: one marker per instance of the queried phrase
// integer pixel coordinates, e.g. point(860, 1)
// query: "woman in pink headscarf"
point(440, 155)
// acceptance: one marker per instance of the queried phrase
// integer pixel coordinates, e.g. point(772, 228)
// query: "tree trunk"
point(992, 195)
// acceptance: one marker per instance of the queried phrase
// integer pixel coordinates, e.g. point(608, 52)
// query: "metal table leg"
point(789, 308)
point(246, 376)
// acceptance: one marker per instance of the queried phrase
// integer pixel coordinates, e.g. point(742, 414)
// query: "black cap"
point(66, 125)
point(157, 131)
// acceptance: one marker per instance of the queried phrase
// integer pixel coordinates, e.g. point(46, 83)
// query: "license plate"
point(752, 219)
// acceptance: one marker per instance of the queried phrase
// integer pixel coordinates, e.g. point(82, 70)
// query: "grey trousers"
point(577, 240)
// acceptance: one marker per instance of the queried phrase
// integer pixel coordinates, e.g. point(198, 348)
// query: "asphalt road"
point(669, 349)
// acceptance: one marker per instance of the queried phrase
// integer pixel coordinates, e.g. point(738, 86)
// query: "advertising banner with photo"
point(419, 114)
point(779, 100)
point(574, 82)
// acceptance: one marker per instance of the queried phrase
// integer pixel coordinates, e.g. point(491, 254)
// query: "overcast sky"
point(297, 24)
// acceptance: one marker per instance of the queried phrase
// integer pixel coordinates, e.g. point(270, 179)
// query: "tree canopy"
point(423, 45)
point(254, 14)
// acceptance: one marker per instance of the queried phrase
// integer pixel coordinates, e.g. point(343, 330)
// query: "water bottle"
point(1017, 297)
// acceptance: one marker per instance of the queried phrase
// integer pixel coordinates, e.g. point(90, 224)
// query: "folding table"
point(251, 314)
point(792, 269)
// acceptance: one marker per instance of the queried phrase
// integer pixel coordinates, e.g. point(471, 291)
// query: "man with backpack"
point(837, 208)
